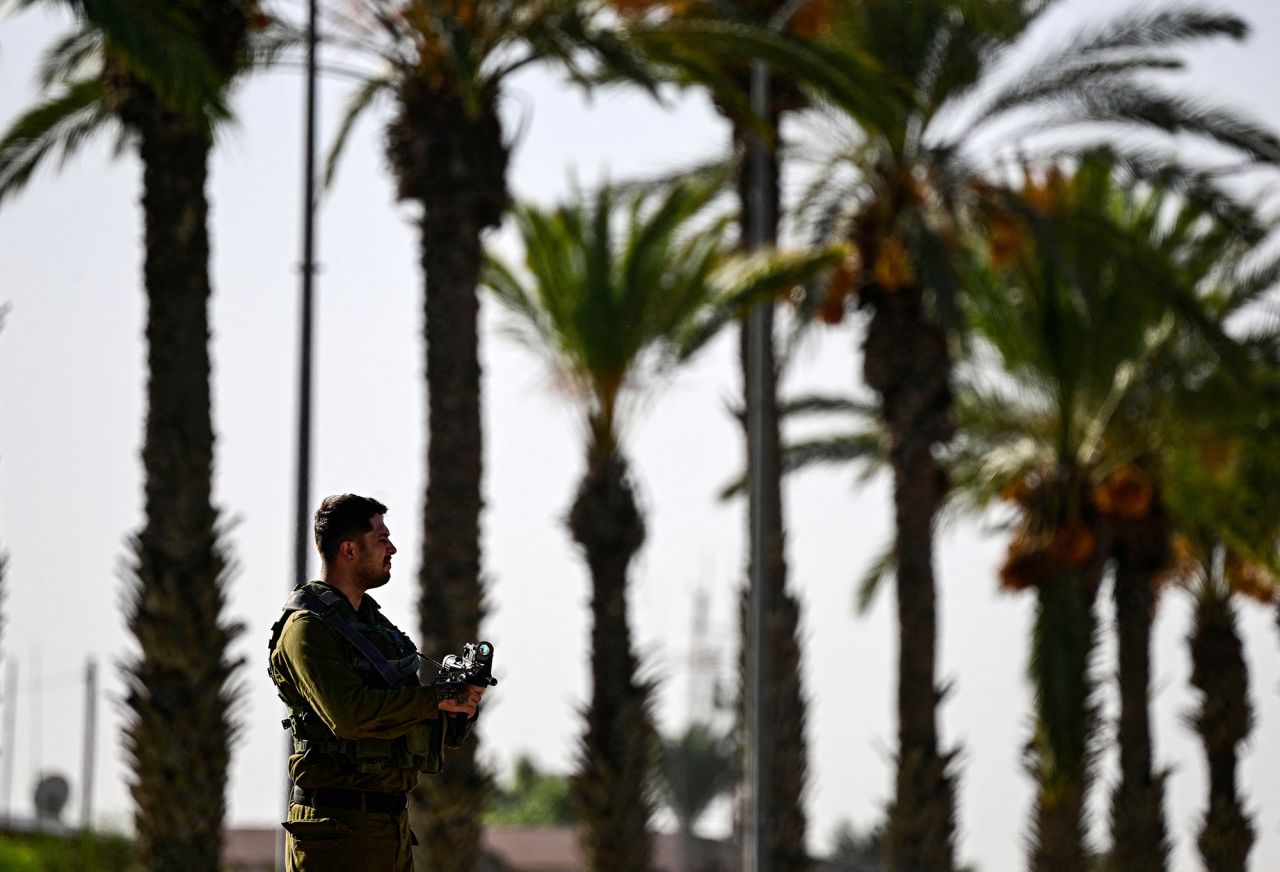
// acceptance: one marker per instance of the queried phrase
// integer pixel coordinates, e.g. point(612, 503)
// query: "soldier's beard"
point(372, 573)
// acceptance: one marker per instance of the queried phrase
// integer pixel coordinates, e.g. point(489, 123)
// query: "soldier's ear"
point(347, 548)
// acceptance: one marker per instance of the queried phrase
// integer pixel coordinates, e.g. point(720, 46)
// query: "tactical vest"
point(421, 748)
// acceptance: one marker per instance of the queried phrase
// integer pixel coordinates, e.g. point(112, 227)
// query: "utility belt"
point(341, 797)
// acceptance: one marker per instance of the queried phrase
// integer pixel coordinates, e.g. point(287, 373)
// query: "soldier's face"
point(373, 555)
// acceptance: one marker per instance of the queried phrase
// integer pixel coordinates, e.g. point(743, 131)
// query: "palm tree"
point(1031, 443)
point(1224, 717)
point(727, 80)
point(1189, 389)
point(1219, 577)
point(862, 851)
point(179, 693)
point(1222, 483)
point(444, 65)
point(899, 189)
point(156, 39)
point(1140, 546)
point(1100, 284)
point(1130, 440)
point(696, 768)
point(613, 306)
point(1159, 400)
point(1211, 242)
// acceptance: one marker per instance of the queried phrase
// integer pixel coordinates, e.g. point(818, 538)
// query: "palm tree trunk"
point(453, 162)
point(179, 732)
point(611, 786)
point(787, 706)
point(907, 363)
point(1060, 753)
point(447, 811)
point(1139, 840)
point(1224, 720)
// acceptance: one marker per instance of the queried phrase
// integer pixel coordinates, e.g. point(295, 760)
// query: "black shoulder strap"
point(323, 605)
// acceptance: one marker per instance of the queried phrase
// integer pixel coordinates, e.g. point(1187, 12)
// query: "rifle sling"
point(323, 605)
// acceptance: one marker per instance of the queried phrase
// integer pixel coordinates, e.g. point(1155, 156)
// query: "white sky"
point(71, 385)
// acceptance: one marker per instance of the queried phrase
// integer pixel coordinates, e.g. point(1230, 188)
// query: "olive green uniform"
point(355, 739)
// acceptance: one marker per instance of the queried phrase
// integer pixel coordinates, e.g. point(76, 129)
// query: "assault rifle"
point(474, 667)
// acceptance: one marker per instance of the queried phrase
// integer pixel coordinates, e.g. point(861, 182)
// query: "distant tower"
point(10, 738)
point(90, 742)
point(702, 663)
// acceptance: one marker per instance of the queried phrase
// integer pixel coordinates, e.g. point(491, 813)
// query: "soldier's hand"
point(466, 704)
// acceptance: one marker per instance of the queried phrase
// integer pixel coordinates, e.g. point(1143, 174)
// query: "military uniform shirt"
point(316, 665)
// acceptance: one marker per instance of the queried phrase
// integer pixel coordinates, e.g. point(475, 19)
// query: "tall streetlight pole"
point(759, 347)
point(761, 422)
point(301, 529)
point(10, 738)
point(302, 508)
point(87, 762)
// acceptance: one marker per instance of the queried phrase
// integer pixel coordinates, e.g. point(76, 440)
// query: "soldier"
point(363, 725)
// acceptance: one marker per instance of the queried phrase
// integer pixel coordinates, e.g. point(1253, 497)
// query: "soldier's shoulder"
point(312, 597)
point(312, 593)
point(302, 627)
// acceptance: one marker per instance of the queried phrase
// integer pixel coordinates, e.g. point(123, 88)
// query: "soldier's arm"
point(313, 659)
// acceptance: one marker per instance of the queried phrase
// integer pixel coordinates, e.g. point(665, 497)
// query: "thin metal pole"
point(10, 737)
point(302, 548)
point(90, 742)
point(759, 341)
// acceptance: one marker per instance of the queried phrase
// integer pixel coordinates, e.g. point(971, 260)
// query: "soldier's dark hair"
point(341, 517)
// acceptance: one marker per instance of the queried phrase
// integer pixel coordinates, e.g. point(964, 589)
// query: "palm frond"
point(809, 404)
point(156, 38)
point(838, 185)
point(69, 59)
point(1108, 54)
point(59, 125)
point(271, 45)
point(940, 267)
point(362, 99)
point(613, 288)
point(863, 445)
point(696, 768)
point(840, 450)
point(1157, 28)
point(880, 570)
point(867, 447)
point(685, 65)
point(642, 256)
point(1047, 82)
point(530, 326)
point(1200, 191)
point(747, 280)
point(716, 173)
point(611, 282)
point(849, 77)
point(574, 34)
point(1144, 107)
point(1248, 285)
point(463, 58)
